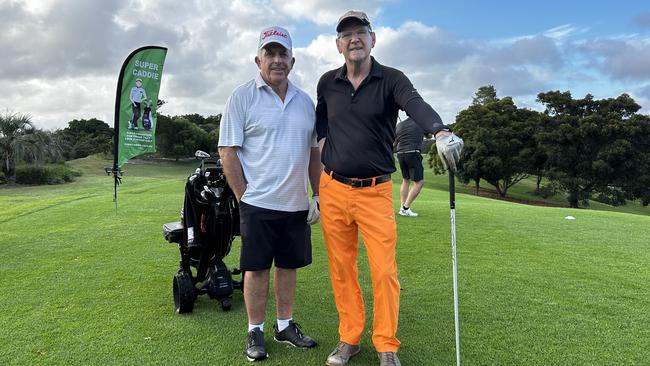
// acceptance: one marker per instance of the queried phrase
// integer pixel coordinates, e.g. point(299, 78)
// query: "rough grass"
point(81, 284)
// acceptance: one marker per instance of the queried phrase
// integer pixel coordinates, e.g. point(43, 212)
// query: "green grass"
point(524, 192)
point(81, 284)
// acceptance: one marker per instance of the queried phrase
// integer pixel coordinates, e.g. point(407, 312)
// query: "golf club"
point(452, 206)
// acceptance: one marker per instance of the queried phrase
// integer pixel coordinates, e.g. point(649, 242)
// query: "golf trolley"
point(209, 223)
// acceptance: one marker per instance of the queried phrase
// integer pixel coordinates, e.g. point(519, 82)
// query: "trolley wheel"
point(226, 304)
point(184, 292)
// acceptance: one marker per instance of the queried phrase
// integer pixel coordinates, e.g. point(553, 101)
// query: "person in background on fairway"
point(267, 143)
point(408, 142)
point(356, 114)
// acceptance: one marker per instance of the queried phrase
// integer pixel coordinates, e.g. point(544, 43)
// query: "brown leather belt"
point(357, 182)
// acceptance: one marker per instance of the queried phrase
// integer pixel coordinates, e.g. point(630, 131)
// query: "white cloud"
point(61, 58)
point(324, 12)
point(39, 7)
point(561, 32)
point(51, 103)
point(621, 58)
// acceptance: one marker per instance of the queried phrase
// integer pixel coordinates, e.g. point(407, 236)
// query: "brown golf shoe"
point(342, 354)
point(388, 359)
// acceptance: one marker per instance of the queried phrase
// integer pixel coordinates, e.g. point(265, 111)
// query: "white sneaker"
point(407, 212)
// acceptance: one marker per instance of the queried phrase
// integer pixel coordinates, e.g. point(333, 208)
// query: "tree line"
point(22, 143)
point(587, 148)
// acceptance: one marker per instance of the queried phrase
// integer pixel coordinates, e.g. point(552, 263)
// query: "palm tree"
point(41, 147)
point(15, 131)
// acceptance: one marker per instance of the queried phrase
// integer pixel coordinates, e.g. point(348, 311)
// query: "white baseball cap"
point(275, 34)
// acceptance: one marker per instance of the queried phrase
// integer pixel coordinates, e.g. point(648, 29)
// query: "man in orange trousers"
point(356, 116)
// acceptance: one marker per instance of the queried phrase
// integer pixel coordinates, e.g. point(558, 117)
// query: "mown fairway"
point(81, 284)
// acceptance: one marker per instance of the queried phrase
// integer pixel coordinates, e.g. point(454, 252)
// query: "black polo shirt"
point(408, 136)
point(360, 124)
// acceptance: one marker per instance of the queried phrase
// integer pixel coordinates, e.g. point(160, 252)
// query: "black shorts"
point(270, 236)
point(411, 165)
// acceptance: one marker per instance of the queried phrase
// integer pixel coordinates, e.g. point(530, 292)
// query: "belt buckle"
point(356, 183)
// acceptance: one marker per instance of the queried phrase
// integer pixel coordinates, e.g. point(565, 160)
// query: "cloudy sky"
point(60, 58)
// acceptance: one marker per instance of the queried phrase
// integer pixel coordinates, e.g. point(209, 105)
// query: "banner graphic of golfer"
point(135, 106)
point(136, 101)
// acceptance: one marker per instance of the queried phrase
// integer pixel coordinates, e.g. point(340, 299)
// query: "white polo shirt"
point(137, 94)
point(275, 140)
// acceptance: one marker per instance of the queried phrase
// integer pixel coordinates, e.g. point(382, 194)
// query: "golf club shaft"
point(452, 206)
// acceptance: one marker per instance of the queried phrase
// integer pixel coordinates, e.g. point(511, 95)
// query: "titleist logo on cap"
point(273, 32)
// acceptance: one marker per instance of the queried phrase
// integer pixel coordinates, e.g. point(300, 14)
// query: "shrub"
point(3, 179)
point(611, 196)
point(546, 191)
point(45, 174)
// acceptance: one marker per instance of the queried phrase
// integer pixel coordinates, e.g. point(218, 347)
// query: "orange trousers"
point(344, 211)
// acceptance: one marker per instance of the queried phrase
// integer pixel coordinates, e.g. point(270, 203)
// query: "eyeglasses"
point(359, 33)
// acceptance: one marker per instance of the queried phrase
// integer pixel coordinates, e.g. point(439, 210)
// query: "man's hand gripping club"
point(449, 147)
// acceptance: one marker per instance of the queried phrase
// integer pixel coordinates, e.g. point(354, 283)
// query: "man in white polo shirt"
point(267, 143)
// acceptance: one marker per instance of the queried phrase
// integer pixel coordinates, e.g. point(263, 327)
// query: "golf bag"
point(209, 223)
point(146, 116)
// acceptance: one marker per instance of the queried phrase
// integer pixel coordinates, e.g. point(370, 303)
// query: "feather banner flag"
point(136, 102)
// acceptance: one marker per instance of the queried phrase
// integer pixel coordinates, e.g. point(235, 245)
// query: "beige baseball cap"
point(275, 34)
point(353, 14)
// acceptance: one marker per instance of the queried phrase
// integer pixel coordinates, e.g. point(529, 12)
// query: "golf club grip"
point(452, 190)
